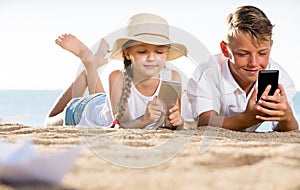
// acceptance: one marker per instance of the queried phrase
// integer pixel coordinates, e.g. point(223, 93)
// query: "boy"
point(225, 94)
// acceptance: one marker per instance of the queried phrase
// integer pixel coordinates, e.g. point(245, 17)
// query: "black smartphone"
point(265, 78)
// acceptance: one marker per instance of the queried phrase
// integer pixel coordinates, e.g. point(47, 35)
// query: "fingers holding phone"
point(267, 83)
point(267, 91)
point(154, 110)
point(175, 118)
point(169, 94)
point(272, 104)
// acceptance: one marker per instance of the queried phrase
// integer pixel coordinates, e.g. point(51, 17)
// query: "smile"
point(150, 66)
point(252, 71)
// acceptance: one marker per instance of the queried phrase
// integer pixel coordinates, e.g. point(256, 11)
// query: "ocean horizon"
point(30, 107)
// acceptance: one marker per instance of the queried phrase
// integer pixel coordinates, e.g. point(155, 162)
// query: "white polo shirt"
point(212, 87)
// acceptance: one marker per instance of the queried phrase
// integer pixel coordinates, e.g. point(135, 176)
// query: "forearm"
point(291, 125)
point(289, 122)
point(239, 122)
point(236, 122)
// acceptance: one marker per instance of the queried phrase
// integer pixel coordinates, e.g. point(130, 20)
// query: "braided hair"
point(128, 77)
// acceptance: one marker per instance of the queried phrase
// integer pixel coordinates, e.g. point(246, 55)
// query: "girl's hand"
point(175, 118)
point(154, 110)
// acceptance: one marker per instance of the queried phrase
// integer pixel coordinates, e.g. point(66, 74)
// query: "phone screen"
point(169, 92)
point(265, 78)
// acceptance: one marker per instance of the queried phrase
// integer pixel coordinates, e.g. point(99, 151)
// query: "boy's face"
point(247, 58)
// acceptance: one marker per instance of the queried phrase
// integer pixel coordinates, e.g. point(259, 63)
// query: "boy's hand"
point(274, 108)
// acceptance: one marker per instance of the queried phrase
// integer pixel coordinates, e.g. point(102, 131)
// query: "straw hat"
point(150, 29)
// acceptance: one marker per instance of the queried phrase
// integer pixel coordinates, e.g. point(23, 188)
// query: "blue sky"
point(31, 60)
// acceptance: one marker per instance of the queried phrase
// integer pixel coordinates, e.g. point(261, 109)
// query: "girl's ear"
point(126, 54)
point(224, 49)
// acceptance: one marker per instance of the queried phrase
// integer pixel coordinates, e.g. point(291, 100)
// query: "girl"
point(132, 92)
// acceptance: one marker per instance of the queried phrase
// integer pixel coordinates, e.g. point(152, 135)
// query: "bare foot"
point(72, 44)
point(75, 46)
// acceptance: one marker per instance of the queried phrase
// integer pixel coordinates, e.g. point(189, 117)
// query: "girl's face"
point(247, 58)
point(147, 60)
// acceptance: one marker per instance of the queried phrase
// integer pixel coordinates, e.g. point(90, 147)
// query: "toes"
point(58, 41)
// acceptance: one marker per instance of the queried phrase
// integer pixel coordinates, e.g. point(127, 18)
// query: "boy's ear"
point(271, 43)
point(224, 49)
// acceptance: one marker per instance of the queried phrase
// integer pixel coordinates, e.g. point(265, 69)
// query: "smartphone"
point(266, 77)
point(169, 92)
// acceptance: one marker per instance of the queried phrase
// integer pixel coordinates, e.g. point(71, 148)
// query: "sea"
point(30, 107)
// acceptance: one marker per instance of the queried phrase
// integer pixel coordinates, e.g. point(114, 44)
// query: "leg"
point(78, 87)
point(90, 61)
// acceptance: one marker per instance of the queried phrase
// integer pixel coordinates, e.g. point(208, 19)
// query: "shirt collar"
point(229, 82)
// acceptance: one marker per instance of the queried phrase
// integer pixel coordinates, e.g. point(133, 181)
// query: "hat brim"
point(175, 51)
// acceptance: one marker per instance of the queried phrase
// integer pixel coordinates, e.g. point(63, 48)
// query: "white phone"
point(169, 92)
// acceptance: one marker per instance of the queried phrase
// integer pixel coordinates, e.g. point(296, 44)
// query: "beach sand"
point(210, 158)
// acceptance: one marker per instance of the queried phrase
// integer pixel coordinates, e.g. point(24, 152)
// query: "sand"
point(207, 158)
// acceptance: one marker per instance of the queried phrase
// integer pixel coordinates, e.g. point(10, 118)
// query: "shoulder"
point(219, 58)
point(214, 62)
point(115, 74)
point(116, 79)
point(276, 66)
point(284, 78)
point(209, 68)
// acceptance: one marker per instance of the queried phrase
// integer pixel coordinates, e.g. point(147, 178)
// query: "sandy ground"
point(206, 158)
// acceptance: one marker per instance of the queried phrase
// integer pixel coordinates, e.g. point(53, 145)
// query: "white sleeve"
point(204, 89)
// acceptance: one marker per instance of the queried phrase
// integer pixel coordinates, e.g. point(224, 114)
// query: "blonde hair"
point(249, 20)
point(128, 77)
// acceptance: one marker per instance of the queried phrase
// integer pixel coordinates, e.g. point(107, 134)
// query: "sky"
point(30, 59)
